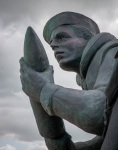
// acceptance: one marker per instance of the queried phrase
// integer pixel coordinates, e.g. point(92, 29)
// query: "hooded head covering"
point(68, 18)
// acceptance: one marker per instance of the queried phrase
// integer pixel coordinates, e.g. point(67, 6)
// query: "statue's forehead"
point(59, 29)
point(63, 28)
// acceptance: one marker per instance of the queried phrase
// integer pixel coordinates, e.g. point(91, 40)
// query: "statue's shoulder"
point(93, 56)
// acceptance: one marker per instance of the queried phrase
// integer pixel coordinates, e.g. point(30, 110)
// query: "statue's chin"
point(69, 64)
point(66, 67)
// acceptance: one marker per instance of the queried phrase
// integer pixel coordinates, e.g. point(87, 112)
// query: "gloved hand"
point(32, 81)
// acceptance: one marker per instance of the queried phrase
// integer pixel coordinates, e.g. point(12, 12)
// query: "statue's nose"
point(53, 45)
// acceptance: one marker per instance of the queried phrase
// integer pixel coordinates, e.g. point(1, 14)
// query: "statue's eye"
point(61, 37)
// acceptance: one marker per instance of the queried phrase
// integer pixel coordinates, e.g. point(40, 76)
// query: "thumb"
point(49, 73)
point(50, 69)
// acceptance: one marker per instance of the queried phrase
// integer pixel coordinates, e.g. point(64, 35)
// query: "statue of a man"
point(78, 46)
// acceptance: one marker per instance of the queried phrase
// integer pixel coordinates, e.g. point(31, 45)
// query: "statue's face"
point(67, 47)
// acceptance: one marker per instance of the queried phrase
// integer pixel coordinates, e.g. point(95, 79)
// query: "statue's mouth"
point(59, 55)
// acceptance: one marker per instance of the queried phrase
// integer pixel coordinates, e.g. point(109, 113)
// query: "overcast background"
point(18, 130)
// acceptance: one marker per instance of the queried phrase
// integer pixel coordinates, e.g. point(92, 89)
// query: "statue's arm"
point(93, 144)
point(82, 108)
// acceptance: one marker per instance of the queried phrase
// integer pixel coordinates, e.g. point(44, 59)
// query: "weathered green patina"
point(79, 47)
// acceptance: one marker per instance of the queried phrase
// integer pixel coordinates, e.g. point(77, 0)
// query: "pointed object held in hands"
point(50, 127)
point(34, 52)
point(35, 56)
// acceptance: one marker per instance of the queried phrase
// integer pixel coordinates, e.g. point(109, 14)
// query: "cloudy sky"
point(18, 130)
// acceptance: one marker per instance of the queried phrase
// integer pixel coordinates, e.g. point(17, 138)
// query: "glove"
point(32, 81)
point(39, 86)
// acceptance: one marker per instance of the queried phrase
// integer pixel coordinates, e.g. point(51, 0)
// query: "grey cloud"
point(37, 145)
point(76, 133)
point(18, 121)
point(7, 147)
point(14, 11)
point(16, 116)
point(33, 10)
point(15, 111)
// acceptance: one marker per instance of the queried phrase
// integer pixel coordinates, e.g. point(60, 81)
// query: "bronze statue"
point(78, 46)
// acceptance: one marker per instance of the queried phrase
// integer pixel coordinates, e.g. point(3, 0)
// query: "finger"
point(49, 70)
point(22, 83)
point(24, 66)
point(48, 74)
point(21, 61)
point(25, 82)
point(21, 79)
point(21, 71)
point(25, 86)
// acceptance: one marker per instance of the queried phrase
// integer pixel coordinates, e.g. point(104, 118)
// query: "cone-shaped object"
point(34, 52)
point(35, 56)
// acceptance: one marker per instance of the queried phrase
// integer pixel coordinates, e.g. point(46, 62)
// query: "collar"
point(95, 43)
